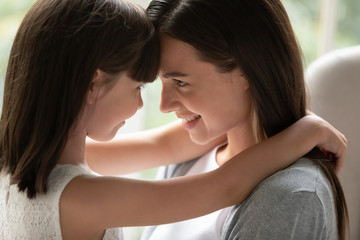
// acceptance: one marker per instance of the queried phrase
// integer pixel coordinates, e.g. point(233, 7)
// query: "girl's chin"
point(104, 137)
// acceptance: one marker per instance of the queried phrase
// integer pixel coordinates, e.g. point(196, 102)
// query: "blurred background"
point(320, 26)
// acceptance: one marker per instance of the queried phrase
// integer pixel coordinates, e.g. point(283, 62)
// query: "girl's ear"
point(94, 87)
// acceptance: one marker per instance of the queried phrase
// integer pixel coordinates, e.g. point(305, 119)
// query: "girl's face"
point(209, 103)
point(109, 107)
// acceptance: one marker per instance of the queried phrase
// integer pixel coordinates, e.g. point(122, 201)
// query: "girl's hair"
point(56, 52)
point(257, 37)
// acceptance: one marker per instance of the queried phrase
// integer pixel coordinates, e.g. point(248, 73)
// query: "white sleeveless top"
point(38, 219)
point(207, 227)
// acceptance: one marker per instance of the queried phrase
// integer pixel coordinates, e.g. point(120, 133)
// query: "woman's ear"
point(94, 87)
point(239, 74)
point(244, 81)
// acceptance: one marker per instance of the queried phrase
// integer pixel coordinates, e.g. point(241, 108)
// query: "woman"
point(75, 71)
point(235, 67)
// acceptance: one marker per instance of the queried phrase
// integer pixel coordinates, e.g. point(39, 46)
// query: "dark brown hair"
point(56, 52)
point(257, 37)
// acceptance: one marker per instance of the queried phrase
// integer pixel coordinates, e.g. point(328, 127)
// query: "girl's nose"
point(140, 102)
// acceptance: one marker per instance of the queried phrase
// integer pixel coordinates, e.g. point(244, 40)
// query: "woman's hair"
point(257, 37)
point(56, 52)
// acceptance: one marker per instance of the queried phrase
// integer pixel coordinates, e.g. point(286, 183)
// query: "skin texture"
point(54, 66)
point(218, 102)
point(112, 107)
point(89, 205)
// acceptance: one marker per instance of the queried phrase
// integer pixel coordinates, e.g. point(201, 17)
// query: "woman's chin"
point(201, 140)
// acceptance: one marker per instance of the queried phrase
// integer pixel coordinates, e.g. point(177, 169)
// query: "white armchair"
point(334, 90)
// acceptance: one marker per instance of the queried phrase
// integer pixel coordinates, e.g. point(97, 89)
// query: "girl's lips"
point(121, 124)
point(191, 122)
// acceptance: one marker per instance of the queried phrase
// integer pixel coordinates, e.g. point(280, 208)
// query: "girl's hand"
point(334, 144)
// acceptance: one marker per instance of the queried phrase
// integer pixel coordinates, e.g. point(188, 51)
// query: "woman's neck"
point(238, 139)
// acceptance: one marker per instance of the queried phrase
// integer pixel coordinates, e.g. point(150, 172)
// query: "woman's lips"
point(190, 122)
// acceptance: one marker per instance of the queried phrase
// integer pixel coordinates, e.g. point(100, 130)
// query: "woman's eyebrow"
point(174, 74)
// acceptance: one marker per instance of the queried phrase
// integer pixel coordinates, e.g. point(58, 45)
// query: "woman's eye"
point(180, 83)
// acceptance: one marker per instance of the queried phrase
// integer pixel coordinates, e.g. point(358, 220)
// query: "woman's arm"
point(165, 145)
point(103, 202)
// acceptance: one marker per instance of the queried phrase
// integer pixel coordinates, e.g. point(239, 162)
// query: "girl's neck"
point(238, 139)
point(74, 151)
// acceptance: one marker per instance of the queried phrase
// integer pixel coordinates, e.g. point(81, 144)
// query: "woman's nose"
point(169, 101)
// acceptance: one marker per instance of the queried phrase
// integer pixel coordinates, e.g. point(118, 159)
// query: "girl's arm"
point(104, 202)
point(165, 145)
point(170, 144)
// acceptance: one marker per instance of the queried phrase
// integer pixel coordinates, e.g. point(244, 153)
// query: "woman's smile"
point(190, 122)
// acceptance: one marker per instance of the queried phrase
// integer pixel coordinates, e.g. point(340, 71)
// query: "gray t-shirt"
point(292, 204)
point(295, 203)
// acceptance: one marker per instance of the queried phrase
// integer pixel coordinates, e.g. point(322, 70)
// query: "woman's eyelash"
point(180, 83)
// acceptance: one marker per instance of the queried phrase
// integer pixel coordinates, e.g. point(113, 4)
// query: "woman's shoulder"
point(302, 176)
point(296, 195)
point(301, 184)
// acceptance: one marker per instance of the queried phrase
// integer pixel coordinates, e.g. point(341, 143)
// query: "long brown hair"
point(257, 37)
point(54, 57)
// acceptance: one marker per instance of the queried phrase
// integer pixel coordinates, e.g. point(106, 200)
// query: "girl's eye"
point(180, 83)
point(140, 87)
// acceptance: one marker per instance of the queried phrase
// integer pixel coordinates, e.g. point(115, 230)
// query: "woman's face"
point(209, 103)
point(110, 107)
